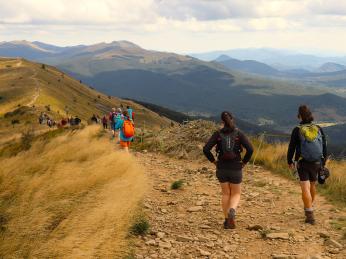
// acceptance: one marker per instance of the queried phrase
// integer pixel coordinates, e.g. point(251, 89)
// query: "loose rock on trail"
point(187, 223)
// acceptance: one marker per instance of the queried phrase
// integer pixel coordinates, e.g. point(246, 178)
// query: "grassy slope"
point(68, 196)
point(26, 83)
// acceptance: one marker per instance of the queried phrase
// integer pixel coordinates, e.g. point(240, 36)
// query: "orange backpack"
point(128, 129)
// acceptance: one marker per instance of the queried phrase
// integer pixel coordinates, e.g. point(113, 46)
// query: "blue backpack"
point(311, 142)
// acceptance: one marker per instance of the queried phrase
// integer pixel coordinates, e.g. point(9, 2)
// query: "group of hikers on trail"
point(45, 119)
point(122, 126)
point(307, 153)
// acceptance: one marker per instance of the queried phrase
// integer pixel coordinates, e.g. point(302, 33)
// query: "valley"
point(180, 82)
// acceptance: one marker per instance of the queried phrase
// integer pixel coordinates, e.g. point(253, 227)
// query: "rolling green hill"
point(27, 89)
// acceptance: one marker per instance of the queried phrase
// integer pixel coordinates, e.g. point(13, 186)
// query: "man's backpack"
point(311, 143)
point(128, 129)
point(114, 117)
point(228, 143)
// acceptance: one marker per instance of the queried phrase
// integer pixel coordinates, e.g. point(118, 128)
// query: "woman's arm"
point(208, 147)
point(245, 142)
point(294, 141)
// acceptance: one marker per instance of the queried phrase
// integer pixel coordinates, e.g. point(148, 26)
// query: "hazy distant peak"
point(222, 58)
point(331, 67)
point(125, 44)
point(24, 43)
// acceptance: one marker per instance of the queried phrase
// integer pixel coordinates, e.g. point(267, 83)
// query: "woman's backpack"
point(227, 145)
point(311, 143)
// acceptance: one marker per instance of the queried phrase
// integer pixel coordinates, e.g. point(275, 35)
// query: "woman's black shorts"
point(234, 176)
point(308, 171)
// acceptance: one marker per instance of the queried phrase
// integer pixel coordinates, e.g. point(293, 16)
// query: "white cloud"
point(166, 21)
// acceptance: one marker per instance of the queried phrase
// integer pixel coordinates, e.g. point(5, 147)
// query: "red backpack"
point(128, 129)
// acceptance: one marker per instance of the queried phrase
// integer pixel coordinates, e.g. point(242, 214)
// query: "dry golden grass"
point(273, 157)
point(72, 197)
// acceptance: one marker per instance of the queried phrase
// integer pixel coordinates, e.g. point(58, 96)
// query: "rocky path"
point(187, 223)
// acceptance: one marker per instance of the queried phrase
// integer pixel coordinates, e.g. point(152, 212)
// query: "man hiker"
point(229, 142)
point(127, 131)
point(112, 118)
point(130, 113)
point(105, 122)
point(308, 150)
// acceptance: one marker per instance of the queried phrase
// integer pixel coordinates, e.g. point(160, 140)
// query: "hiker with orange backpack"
point(307, 153)
point(229, 142)
point(127, 131)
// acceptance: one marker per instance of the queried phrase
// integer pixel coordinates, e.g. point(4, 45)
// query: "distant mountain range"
point(184, 83)
point(277, 58)
point(328, 74)
point(249, 66)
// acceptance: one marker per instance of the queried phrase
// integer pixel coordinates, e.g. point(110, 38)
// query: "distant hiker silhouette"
point(308, 152)
point(127, 131)
point(94, 119)
point(105, 122)
point(229, 142)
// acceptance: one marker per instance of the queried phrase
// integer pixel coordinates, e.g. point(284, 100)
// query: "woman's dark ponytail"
point(305, 114)
point(227, 119)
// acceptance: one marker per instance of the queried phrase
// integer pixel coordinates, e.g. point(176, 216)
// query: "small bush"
point(3, 222)
point(264, 233)
point(15, 121)
point(26, 140)
point(140, 226)
point(177, 185)
point(259, 184)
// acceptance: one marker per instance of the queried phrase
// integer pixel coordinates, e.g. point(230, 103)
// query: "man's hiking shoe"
point(309, 217)
point(231, 218)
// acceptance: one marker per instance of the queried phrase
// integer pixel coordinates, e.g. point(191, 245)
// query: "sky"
point(184, 26)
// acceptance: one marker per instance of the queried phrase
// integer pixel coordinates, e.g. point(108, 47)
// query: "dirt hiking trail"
point(187, 223)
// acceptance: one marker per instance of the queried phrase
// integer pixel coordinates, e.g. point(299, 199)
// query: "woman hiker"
point(308, 149)
point(229, 142)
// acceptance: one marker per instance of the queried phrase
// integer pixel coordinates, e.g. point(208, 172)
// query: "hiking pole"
point(259, 147)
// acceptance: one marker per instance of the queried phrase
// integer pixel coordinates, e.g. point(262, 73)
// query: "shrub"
point(177, 185)
point(3, 222)
point(264, 232)
point(15, 121)
point(26, 139)
point(43, 66)
point(140, 226)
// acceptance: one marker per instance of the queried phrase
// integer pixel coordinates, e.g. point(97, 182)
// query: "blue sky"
point(178, 25)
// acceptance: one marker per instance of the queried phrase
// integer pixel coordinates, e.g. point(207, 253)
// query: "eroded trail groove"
point(187, 223)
